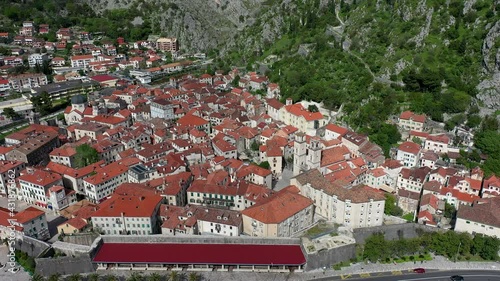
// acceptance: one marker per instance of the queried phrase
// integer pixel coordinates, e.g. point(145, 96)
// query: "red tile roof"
point(298, 110)
point(129, 206)
point(409, 147)
point(28, 215)
point(170, 253)
point(408, 115)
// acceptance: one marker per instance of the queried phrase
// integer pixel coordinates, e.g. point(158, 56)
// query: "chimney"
point(289, 101)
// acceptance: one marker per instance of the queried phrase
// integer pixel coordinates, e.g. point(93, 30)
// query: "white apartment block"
point(35, 59)
point(82, 61)
point(481, 217)
point(356, 207)
point(35, 184)
point(9, 171)
point(105, 181)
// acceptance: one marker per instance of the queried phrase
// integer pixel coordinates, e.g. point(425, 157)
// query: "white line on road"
point(448, 276)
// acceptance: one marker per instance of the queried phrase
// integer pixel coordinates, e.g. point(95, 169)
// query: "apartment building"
point(162, 108)
point(82, 61)
point(413, 179)
point(128, 214)
point(167, 44)
point(30, 222)
point(296, 115)
point(411, 121)
point(482, 217)
point(35, 184)
point(64, 155)
point(33, 144)
point(105, 181)
point(27, 81)
point(9, 171)
point(437, 143)
point(37, 59)
point(408, 154)
point(360, 206)
point(280, 215)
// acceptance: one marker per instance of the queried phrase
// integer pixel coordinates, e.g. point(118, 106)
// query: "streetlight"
point(456, 256)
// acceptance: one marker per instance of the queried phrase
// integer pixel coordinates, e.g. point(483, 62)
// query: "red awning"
point(230, 254)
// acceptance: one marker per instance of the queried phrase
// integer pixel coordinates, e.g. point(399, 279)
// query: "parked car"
point(419, 270)
point(456, 278)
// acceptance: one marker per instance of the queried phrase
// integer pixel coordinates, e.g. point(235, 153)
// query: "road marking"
point(346, 276)
point(446, 276)
point(397, 272)
point(364, 275)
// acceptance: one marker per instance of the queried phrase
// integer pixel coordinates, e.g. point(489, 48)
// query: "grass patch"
point(339, 266)
point(408, 217)
point(27, 262)
point(414, 258)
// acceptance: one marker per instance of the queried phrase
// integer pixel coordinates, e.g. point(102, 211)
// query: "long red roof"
point(167, 253)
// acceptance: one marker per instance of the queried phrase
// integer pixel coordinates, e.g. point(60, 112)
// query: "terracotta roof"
point(278, 207)
point(28, 215)
point(129, 206)
point(298, 110)
point(408, 115)
point(77, 223)
point(337, 129)
point(485, 211)
point(409, 147)
point(40, 177)
point(358, 194)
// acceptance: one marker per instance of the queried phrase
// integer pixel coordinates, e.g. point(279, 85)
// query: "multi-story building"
point(91, 130)
point(9, 171)
point(281, 215)
point(412, 179)
point(128, 214)
point(64, 155)
point(35, 59)
point(27, 81)
point(4, 86)
point(408, 154)
point(192, 219)
point(167, 44)
point(82, 61)
point(162, 108)
point(360, 206)
point(411, 121)
point(105, 181)
point(491, 187)
point(437, 143)
point(35, 184)
point(299, 117)
point(482, 217)
point(33, 144)
point(30, 222)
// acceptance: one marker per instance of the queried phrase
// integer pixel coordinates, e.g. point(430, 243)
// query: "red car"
point(419, 270)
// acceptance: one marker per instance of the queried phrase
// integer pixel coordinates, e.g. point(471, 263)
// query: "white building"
point(105, 181)
point(356, 207)
point(437, 143)
point(35, 184)
point(408, 154)
point(35, 59)
point(412, 179)
point(482, 217)
point(82, 61)
point(162, 108)
point(9, 171)
point(128, 215)
point(30, 222)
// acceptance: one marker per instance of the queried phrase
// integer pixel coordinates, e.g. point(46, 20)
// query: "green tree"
point(376, 248)
point(85, 155)
point(93, 277)
point(135, 277)
point(42, 103)
point(75, 277)
point(193, 276)
point(54, 277)
point(312, 108)
point(9, 112)
point(37, 277)
point(255, 146)
point(174, 276)
point(265, 165)
point(154, 277)
point(391, 207)
point(449, 211)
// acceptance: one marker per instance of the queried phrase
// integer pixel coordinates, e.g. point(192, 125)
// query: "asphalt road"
point(431, 275)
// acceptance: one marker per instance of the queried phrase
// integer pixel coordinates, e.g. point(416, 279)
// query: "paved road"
point(469, 275)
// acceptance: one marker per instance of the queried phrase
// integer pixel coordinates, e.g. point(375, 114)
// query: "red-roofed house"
point(128, 214)
point(105, 181)
point(32, 222)
point(35, 186)
point(297, 116)
point(82, 61)
point(491, 187)
point(437, 143)
point(408, 154)
point(280, 215)
point(411, 121)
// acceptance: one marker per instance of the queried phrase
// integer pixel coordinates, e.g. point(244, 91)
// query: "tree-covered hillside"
point(377, 58)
